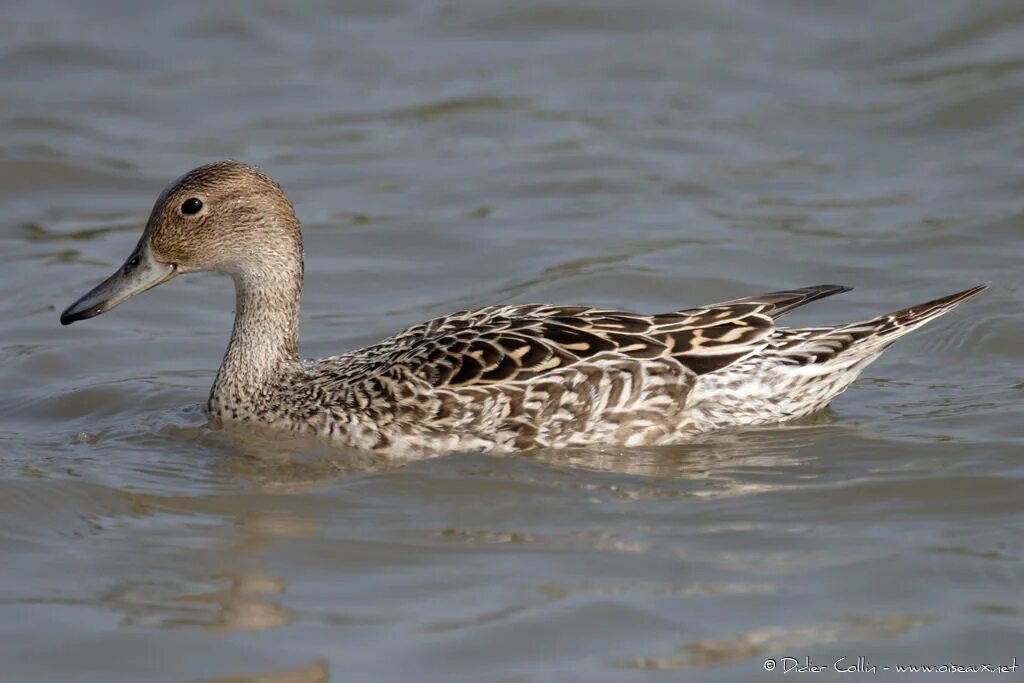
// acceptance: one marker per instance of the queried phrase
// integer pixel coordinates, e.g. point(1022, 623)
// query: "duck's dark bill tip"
point(71, 315)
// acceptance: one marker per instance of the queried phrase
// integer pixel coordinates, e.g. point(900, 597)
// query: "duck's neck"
point(264, 343)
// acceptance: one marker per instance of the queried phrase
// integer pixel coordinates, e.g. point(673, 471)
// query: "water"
point(448, 154)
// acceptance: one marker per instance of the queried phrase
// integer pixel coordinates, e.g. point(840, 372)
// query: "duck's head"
point(226, 217)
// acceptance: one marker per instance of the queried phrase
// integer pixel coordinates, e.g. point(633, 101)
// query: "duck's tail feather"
point(885, 329)
point(860, 342)
point(775, 304)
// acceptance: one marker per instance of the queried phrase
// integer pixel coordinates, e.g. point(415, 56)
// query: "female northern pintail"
point(500, 378)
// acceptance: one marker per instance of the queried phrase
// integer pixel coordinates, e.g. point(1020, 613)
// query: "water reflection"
point(316, 672)
point(273, 462)
point(241, 593)
point(237, 599)
point(241, 605)
point(708, 456)
point(777, 640)
point(276, 463)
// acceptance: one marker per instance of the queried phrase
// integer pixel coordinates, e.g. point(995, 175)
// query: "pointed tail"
point(885, 329)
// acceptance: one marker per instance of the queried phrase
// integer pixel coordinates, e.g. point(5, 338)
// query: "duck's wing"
point(775, 304)
point(507, 344)
point(713, 337)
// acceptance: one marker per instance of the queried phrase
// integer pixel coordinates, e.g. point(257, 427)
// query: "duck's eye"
point(192, 205)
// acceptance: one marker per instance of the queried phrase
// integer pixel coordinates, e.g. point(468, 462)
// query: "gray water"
point(646, 155)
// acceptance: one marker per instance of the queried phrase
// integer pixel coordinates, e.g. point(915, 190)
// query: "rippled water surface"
point(443, 154)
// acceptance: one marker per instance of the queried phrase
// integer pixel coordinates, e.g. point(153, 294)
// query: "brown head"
point(226, 217)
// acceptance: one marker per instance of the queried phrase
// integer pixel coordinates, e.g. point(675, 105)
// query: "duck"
point(496, 379)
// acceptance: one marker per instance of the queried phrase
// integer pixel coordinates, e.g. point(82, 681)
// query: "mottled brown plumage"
point(497, 378)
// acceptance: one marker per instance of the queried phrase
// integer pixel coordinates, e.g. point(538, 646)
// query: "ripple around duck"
point(547, 594)
point(958, 74)
point(969, 336)
point(421, 112)
point(534, 18)
point(35, 508)
point(31, 177)
point(42, 57)
point(82, 230)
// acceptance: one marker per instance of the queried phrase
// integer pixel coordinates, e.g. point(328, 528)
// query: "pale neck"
point(265, 339)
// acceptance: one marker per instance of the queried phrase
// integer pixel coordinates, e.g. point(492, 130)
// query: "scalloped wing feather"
point(514, 344)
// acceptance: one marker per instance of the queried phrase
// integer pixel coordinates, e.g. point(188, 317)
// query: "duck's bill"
point(139, 273)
